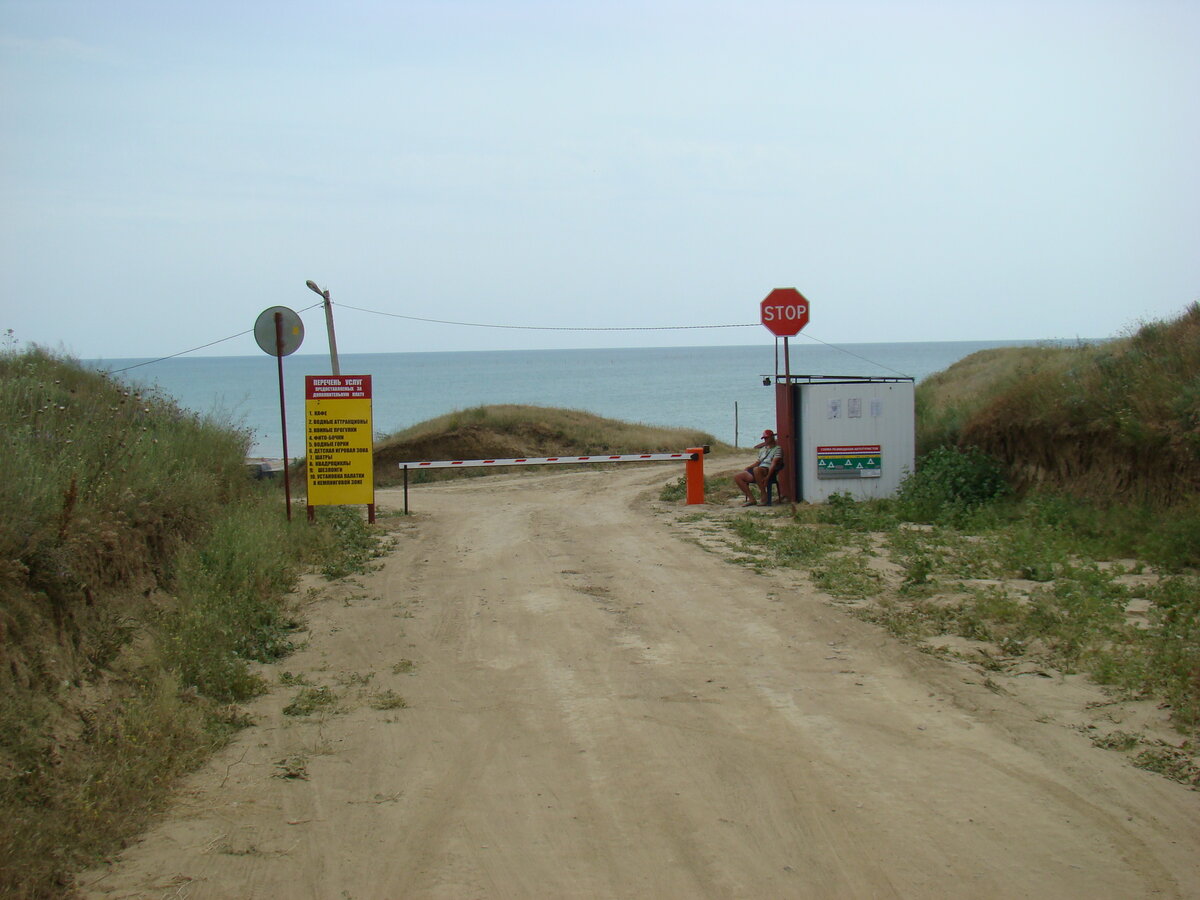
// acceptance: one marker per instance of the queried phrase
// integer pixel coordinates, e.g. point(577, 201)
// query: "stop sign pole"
point(784, 312)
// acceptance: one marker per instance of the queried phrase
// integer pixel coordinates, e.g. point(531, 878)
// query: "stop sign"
point(784, 312)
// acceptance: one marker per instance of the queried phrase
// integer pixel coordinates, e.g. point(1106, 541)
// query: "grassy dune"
point(1113, 421)
point(510, 431)
point(141, 573)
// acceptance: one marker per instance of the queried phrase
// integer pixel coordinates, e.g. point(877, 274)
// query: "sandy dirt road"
point(600, 708)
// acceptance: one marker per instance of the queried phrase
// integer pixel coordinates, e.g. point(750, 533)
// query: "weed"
point(141, 573)
point(790, 544)
point(388, 699)
point(846, 577)
point(292, 767)
point(310, 701)
point(132, 540)
point(673, 491)
point(918, 568)
point(1082, 610)
point(1175, 763)
point(1122, 741)
point(990, 614)
point(1027, 552)
point(676, 490)
point(842, 509)
point(352, 545)
point(909, 620)
point(1173, 647)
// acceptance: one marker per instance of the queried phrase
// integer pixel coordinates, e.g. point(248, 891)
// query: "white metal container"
point(852, 436)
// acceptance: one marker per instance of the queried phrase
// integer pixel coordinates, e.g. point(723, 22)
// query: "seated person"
point(770, 461)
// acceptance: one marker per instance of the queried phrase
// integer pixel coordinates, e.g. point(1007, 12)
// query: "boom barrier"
point(693, 457)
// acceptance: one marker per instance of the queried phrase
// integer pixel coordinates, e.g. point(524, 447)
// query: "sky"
point(920, 171)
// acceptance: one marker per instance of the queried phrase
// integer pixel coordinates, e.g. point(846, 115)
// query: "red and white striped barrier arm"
point(548, 460)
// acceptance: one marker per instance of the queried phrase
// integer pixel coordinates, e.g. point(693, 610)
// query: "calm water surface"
point(693, 387)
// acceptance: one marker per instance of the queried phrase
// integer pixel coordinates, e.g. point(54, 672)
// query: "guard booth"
point(844, 435)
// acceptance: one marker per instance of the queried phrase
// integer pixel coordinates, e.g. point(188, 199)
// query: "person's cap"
point(768, 433)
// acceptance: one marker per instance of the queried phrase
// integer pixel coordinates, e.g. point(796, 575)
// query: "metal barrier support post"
point(694, 470)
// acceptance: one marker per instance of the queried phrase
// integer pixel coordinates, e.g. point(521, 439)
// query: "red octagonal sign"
point(784, 312)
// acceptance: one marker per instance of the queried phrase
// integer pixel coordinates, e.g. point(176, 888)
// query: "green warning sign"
point(861, 461)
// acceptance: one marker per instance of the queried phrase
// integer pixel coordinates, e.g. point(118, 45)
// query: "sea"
point(723, 391)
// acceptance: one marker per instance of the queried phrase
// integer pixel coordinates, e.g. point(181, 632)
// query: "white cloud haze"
point(920, 170)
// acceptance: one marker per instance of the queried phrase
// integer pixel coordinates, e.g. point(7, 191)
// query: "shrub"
point(949, 484)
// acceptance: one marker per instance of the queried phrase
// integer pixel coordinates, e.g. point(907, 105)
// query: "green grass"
point(141, 574)
point(1021, 579)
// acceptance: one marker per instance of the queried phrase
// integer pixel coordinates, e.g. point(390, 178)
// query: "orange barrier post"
point(694, 470)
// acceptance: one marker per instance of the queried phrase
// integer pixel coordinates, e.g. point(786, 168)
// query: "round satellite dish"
point(292, 328)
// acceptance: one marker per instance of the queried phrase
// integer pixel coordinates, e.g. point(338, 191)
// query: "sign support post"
point(287, 477)
point(278, 332)
point(784, 314)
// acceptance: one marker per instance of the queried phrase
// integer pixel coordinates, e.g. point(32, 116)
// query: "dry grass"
point(947, 400)
point(510, 431)
point(1113, 421)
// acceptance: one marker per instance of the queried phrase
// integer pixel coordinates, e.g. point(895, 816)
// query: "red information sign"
point(337, 387)
point(784, 312)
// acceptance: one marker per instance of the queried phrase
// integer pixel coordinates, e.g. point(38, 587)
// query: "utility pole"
point(333, 354)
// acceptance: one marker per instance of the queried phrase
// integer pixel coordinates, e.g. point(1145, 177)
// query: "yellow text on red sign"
point(339, 439)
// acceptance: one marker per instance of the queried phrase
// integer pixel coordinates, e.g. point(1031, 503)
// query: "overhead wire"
point(586, 328)
point(392, 315)
point(544, 327)
point(151, 362)
point(852, 353)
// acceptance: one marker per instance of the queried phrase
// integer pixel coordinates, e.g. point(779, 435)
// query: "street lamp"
point(333, 354)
